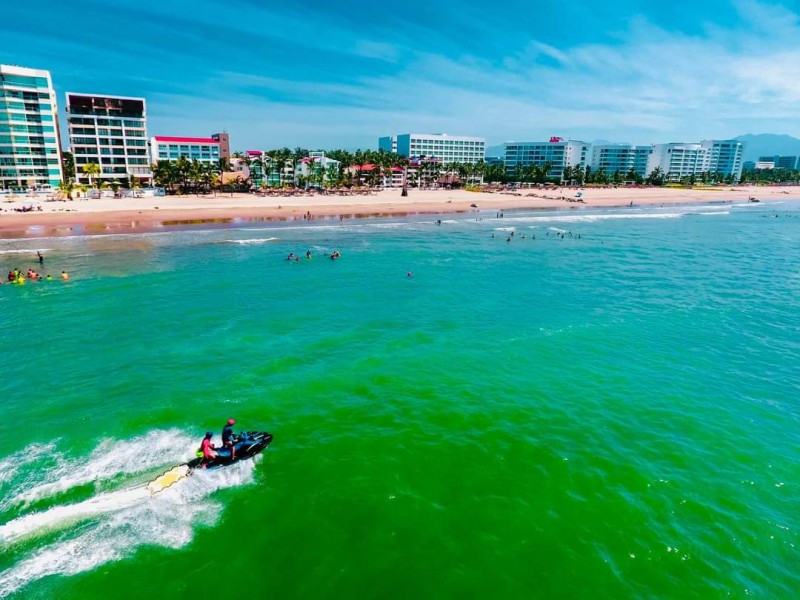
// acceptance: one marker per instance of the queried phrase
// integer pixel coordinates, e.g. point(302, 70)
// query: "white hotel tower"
point(677, 161)
point(109, 131)
point(30, 152)
point(447, 148)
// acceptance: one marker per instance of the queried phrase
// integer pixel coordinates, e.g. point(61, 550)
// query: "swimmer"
point(291, 256)
point(49, 277)
point(64, 276)
point(41, 258)
point(308, 254)
point(409, 275)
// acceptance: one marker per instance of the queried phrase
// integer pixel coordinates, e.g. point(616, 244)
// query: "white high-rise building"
point(439, 146)
point(111, 132)
point(557, 152)
point(621, 157)
point(30, 150)
point(678, 160)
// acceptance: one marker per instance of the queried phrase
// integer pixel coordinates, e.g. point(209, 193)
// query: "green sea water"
point(605, 406)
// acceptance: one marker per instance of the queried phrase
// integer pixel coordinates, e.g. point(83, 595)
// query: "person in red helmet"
point(228, 437)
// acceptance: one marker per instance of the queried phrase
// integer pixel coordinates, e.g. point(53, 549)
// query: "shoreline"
point(91, 217)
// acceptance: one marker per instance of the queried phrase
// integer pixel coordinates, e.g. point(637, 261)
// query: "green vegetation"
point(770, 176)
point(282, 167)
point(188, 176)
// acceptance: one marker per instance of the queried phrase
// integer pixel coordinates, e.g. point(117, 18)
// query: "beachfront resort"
point(112, 153)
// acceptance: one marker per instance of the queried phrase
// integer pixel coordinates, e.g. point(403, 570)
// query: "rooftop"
point(186, 140)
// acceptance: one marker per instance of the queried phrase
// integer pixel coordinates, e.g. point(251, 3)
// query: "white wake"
point(71, 538)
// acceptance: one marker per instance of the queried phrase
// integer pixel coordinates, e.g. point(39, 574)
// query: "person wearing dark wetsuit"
point(228, 437)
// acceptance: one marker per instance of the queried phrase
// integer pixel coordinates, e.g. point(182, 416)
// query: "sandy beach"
point(112, 215)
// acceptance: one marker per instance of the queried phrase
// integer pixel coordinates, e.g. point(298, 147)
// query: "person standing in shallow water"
point(41, 258)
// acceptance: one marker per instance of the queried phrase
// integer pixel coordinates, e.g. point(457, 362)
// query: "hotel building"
point(443, 147)
point(558, 153)
point(724, 156)
point(204, 150)
point(388, 143)
point(224, 140)
point(109, 131)
point(621, 157)
point(778, 162)
point(30, 152)
point(677, 160)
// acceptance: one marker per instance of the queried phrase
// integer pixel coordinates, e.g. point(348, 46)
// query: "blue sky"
point(340, 74)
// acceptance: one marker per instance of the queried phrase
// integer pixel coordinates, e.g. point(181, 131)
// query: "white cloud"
point(652, 85)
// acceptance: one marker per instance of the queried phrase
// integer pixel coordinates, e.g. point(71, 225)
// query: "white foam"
point(253, 241)
point(25, 251)
point(598, 217)
point(39, 522)
point(11, 465)
point(715, 213)
point(110, 458)
point(116, 524)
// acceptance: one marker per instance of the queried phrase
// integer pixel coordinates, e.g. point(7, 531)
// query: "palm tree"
point(90, 170)
point(566, 176)
point(66, 187)
point(656, 177)
point(223, 165)
point(165, 173)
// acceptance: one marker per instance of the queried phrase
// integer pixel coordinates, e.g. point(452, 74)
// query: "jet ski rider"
point(228, 437)
point(207, 448)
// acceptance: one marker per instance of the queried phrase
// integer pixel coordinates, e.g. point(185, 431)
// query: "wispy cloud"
point(330, 75)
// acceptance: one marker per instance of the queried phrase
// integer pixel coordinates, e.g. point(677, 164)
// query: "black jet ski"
point(247, 445)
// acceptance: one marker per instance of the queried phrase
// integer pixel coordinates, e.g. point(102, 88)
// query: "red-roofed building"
point(205, 150)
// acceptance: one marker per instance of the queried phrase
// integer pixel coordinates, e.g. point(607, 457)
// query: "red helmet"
point(231, 421)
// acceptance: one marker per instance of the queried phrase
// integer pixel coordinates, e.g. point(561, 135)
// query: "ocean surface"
point(606, 406)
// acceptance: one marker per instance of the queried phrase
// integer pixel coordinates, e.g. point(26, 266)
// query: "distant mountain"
point(769, 144)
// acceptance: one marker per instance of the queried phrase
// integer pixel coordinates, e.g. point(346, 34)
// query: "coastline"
point(108, 215)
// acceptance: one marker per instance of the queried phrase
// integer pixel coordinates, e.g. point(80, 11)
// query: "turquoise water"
point(613, 415)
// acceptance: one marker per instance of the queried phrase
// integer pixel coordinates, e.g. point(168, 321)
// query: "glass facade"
point(204, 150)
point(111, 132)
point(446, 148)
point(620, 157)
point(558, 154)
point(30, 153)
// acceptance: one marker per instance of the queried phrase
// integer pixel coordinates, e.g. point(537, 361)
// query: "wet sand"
point(109, 215)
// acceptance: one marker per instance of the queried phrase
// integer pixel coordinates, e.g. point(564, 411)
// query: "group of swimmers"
point(19, 277)
point(294, 258)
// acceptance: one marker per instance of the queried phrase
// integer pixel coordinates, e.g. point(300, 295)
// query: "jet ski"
point(246, 445)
